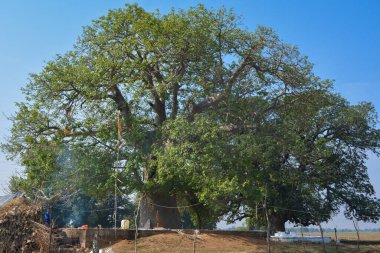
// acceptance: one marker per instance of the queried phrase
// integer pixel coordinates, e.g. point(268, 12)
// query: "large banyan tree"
point(213, 116)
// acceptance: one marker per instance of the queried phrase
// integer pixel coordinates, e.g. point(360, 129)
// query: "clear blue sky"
point(342, 38)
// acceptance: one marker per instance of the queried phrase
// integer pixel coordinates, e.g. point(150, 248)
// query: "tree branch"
point(174, 112)
point(214, 100)
point(179, 72)
point(159, 105)
point(121, 103)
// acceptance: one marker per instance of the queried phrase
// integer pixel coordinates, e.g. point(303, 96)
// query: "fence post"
point(196, 231)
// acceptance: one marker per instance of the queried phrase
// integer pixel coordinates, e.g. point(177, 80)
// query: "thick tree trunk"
point(199, 219)
point(156, 211)
point(278, 223)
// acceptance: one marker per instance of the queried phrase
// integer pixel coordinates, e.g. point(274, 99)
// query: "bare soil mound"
point(184, 243)
point(212, 243)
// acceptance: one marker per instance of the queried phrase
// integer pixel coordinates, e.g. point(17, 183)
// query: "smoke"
point(83, 177)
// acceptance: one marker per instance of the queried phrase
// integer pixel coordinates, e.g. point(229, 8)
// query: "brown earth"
point(212, 243)
point(184, 243)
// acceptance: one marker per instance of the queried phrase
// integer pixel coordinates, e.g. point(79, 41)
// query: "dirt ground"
point(211, 243)
point(184, 243)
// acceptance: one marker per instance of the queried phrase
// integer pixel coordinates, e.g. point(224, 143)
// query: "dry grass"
point(212, 243)
point(17, 230)
point(366, 236)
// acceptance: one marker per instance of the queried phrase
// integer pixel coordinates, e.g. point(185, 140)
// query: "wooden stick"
point(136, 226)
point(51, 228)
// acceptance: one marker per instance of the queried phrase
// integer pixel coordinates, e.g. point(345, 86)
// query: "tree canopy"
point(214, 117)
